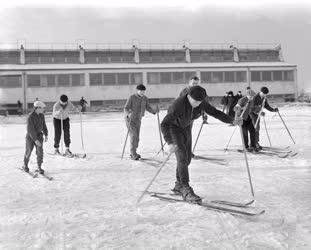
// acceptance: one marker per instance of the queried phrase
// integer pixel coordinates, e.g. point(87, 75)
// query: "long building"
point(107, 75)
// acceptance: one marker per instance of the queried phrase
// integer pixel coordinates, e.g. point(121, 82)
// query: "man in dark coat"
point(260, 102)
point(176, 129)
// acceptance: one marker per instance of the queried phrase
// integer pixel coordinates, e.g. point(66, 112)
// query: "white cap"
point(39, 104)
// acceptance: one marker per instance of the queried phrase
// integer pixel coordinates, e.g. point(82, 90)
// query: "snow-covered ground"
point(91, 203)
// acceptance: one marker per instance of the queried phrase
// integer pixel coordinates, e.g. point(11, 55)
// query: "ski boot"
point(40, 170)
point(25, 168)
point(68, 153)
point(135, 157)
point(258, 146)
point(189, 196)
point(56, 152)
point(177, 188)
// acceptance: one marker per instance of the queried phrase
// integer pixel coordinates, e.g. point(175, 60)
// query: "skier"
point(83, 104)
point(36, 128)
point(134, 110)
point(19, 108)
point(243, 109)
point(230, 104)
point(194, 81)
point(224, 102)
point(60, 115)
point(176, 129)
point(257, 106)
point(238, 96)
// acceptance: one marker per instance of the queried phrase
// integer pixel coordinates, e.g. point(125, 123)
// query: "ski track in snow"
point(91, 203)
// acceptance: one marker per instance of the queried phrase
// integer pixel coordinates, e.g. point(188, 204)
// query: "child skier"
point(176, 129)
point(60, 114)
point(134, 110)
point(36, 128)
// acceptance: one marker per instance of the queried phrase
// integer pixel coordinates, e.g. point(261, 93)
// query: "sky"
point(120, 21)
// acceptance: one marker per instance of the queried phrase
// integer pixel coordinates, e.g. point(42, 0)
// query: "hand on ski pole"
point(276, 110)
point(263, 113)
point(238, 121)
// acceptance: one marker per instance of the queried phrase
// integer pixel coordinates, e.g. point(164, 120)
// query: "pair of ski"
point(75, 156)
point(272, 152)
point(214, 160)
point(36, 174)
point(216, 205)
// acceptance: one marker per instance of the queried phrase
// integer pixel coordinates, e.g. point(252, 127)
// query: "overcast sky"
point(285, 22)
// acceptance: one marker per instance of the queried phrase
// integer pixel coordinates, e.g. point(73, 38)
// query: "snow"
point(91, 203)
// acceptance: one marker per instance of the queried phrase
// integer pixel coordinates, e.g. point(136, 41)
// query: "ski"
point(276, 148)
point(233, 204)
point(77, 156)
point(45, 176)
point(212, 207)
point(32, 174)
point(211, 159)
point(270, 153)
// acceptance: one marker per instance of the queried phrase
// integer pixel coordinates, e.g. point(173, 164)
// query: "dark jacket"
point(136, 106)
point(257, 104)
point(180, 115)
point(185, 91)
point(36, 125)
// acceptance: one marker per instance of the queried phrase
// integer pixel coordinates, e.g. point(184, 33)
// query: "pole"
point(159, 126)
point(127, 134)
point(81, 132)
point(230, 139)
point(61, 133)
point(246, 163)
point(161, 149)
point(286, 128)
point(264, 120)
point(259, 114)
point(196, 141)
point(154, 177)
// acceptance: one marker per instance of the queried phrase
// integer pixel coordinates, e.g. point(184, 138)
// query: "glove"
point(276, 110)
point(238, 121)
point(263, 113)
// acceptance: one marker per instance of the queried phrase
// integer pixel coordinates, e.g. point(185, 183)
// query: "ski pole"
point(264, 120)
point(160, 131)
point(61, 133)
point(81, 132)
point(246, 162)
point(230, 139)
point(155, 176)
point(127, 134)
point(259, 114)
point(286, 128)
point(161, 149)
point(196, 141)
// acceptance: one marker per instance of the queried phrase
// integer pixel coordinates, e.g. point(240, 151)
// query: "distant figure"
point(83, 104)
point(230, 105)
point(238, 96)
point(19, 108)
point(224, 102)
point(37, 99)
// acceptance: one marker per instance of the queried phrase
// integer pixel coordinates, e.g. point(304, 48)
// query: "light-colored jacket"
point(62, 112)
point(136, 105)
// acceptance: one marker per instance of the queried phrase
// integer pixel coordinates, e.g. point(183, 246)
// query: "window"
point(229, 76)
point(63, 80)
point(51, 80)
point(109, 79)
point(255, 76)
point(136, 78)
point(188, 75)
point(13, 81)
point(165, 77)
point(33, 80)
point(96, 79)
point(266, 75)
point(289, 75)
point(206, 77)
point(240, 76)
point(77, 79)
point(153, 78)
point(123, 79)
point(178, 78)
point(217, 76)
point(277, 75)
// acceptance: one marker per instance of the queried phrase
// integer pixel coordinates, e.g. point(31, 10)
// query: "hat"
point(64, 98)
point(197, 93)
point(195, 78)
point(264, 90)
point(140, 87)
point(250, 92)
point(39, 104)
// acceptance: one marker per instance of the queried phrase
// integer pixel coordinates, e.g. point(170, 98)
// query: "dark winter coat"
point(36, 126)
point(181, 115)
point(257, 104)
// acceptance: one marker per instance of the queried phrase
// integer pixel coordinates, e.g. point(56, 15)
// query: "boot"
point(25, 168)
point(135, 157)
point(258, 146)
point(40, 170)
point(68, 153)
point(189, 196)
point(56, 151)
point(177, 188)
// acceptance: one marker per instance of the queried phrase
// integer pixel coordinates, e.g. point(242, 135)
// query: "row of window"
point(267, 76)
point(110, 79)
